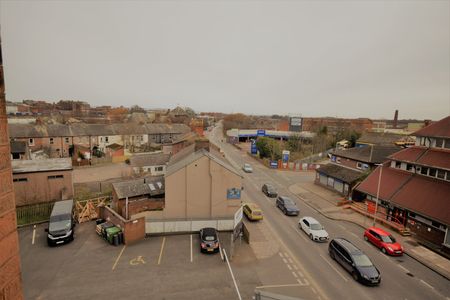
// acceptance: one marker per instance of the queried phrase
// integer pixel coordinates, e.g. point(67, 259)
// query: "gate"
point(87, 210)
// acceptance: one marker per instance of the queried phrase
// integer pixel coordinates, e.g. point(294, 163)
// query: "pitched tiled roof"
point(369, 154)
point(438, 158)
point(82, 129)
point(139, 187)
point(41, 165)
point(438, 129)
point(18, 146)
point(339, 172)
point(379, 138)
point(149, 159)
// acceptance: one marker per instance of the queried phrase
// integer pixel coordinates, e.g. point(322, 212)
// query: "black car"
point(287, 206)
point(209, 240)
point(269, 190)
point(354, 261)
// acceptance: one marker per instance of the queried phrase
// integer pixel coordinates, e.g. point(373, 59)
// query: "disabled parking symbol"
point(136, 261)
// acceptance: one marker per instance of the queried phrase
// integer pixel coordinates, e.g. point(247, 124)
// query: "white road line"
point(290, 260)
point(333, 267)
point(304, 283)
point(232, 275)
point(314, 290)
point(403, 268)
point(191, 247)
point(295, 267)
point(427, 284)
point(300, 233)
point(285, 254)
point(285, 261)
point(34, 235)
point(289, 267)
point(281, 254)
point(295, 275)
point(342, 227)
point(300, 273)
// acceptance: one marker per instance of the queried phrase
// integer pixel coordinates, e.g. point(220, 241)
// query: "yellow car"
point(252, 211)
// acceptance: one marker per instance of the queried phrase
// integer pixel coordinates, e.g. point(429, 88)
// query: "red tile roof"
point(426, 196)
point(439, 129)
point(438, 158)
point(391, 179)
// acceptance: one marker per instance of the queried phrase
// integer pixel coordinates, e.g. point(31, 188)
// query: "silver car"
point(313, 229)
point(247, 168)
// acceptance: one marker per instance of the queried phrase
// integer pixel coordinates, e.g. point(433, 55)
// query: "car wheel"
point(366, 238)
point(311, 237)
point(383, 250)
point(355, 276)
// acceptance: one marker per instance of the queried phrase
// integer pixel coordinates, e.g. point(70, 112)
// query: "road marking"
point(333, 267)
point(305, 283)
point(281, 254)
point(314, 290)
point(191, 247)
point(277, 286)
point(403, 268)
point(295, 275)
point(295, 267)
point(342, 227)
point(137, 260)
point(427, 284)
point(161, 252)
point(290, 260)
point(34, 235)
point(118, 257)
point(232, 275)
point(289, 267)
point(300, 273)
point(299, 233)
point(285, 261)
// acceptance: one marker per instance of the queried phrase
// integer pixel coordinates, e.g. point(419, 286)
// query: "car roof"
point(348, 246)
point(252, 205)
point(269, 185)
point(311, 220)
point(62, 207)
point(379, 231)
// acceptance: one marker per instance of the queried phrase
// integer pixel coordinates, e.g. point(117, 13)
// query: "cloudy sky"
point(309, 58)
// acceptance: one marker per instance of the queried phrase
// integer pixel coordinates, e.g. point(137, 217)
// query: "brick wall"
point(136, 205)
point(10, 277)
point(133, 230)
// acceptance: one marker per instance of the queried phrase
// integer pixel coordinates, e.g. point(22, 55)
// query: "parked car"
point(269, 190)
point(61, 224)
point(209, 240)
point(252, 211)
point(383, 240)
point(313, 229)
point(354, 261)
point(247, 168)
point(287, 206)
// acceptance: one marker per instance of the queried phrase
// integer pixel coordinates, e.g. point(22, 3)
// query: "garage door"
point(338, 186)
point(323, 179)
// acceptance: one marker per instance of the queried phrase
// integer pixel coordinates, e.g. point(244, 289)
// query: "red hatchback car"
point(383, 240)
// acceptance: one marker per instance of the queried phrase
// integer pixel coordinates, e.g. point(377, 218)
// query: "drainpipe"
point(126, 208)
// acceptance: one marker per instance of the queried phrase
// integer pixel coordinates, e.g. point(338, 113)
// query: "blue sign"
point(234, 193)
point(253, 149)
point(261, 132)
point(274, 164)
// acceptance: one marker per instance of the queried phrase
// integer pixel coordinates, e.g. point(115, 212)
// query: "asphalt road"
point(402, 277)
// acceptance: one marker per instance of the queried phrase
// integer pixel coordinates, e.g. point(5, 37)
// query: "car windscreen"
point(388, 239)
point(316, 226)
point(361, 260)
point(288, 202)
point(58, 218)
point(209, 238)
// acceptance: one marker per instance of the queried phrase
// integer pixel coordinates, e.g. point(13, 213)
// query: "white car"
point(313, 229)
point(247, 168)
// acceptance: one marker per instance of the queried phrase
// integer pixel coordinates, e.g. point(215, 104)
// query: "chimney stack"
point(395, 119)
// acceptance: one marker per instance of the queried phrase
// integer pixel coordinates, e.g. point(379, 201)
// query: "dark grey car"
point(287, 206)
point(269, 190)
point(354, 261)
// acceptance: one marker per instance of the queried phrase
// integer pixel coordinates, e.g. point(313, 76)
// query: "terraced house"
point(414, 185)
point(58, 140)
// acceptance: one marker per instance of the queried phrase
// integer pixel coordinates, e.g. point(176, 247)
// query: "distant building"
point(382, 139)
point(414, 186)
point(335, 125)
point(19, 150)
point(43, 180)
point(152, 163)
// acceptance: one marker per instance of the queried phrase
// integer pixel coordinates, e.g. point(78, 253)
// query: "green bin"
point(110, 232)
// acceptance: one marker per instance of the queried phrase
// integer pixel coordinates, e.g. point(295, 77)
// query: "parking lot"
point(169, 267)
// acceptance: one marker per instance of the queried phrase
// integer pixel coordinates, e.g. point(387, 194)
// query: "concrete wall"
point(39, 188)
point(10, 277)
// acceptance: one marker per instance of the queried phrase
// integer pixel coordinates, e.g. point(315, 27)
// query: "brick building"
point(336, 124)
point(415, 185)
point(10, 276)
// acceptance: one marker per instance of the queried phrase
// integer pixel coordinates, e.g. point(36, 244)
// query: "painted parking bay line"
point(161, 251)
point(118, 257)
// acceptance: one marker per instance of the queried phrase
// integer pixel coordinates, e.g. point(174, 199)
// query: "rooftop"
point(139, 187)
point(438, 129)
point(374, 154)
point(345, 174)
point(41, 165)
point(149, 159)
point(432, 157)
point(379, 138)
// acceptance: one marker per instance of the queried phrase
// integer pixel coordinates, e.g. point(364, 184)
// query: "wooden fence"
point(33, 214)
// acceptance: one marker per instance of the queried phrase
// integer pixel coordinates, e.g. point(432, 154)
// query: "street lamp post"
point(378, 194)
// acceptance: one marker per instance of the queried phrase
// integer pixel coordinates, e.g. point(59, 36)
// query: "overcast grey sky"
point(312, 58)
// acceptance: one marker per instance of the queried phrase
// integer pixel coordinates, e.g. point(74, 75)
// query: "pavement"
point(325, 202)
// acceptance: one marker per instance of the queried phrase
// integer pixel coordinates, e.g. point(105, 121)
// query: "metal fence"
point(172, 226)
point(32, 214)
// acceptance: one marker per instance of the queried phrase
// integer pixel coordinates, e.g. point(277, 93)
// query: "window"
point(424, 171)
point(55, 176)
point(51, 141)
point(142, 138)
point(359, 165)
point(398, 165)
point(447, 238)
point(31, 142)
point(432, 172)
point(409, 167)
point(447, 144)
point(19, 179)
point(441, 174)
point(67, 140)
point(439, 143)
point(158, 169)
point(106, 139)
